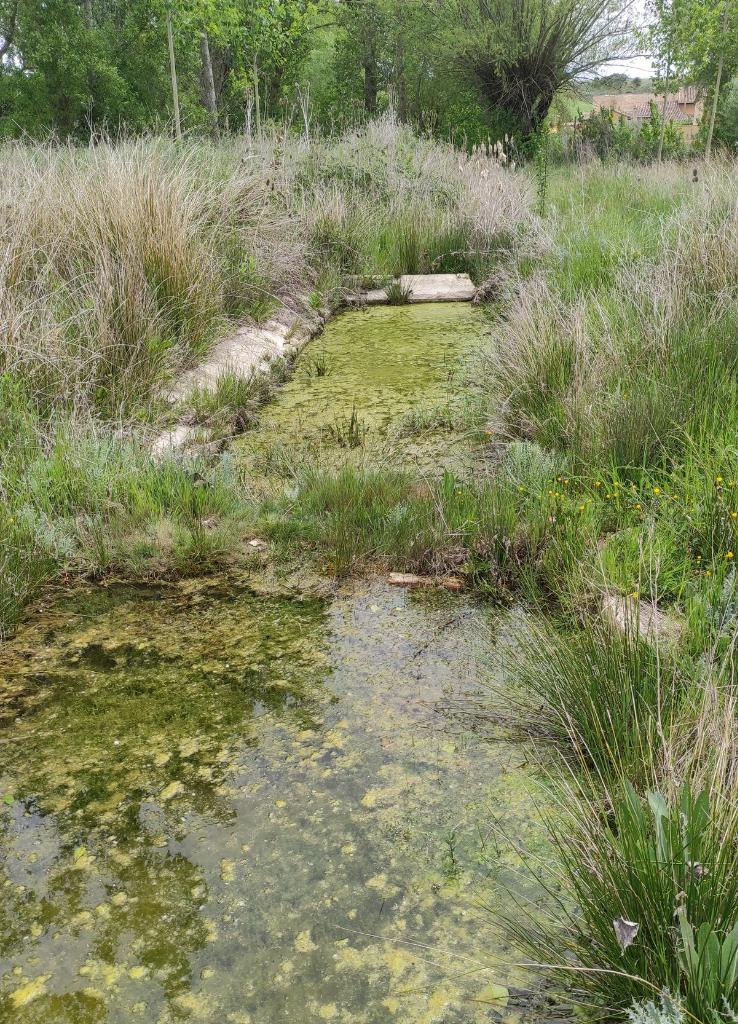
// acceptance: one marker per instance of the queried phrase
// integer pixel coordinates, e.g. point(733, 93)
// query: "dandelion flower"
point(657, 490)
point(729, 554)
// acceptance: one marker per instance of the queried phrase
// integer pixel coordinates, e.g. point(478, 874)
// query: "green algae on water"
point(369, 385)
point(228, 808)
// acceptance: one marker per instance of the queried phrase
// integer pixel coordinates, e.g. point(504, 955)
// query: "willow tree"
point(520, 53)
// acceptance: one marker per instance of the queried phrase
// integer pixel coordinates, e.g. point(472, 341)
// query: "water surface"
point(386, 384)
point(220, 807)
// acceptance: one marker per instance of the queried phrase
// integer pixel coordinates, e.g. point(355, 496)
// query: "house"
point(683, 108)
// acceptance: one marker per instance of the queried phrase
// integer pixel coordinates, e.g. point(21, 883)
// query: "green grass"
point(668, 865)
point(620, 361)
point(609, 397)
point(77, 498)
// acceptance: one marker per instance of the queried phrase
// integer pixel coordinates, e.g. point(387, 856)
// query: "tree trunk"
point(663, 107)
point(401, 84)
point(371, 78)
point(208, 86)
point(173, 73)
point(257, 99)
point(718, 79)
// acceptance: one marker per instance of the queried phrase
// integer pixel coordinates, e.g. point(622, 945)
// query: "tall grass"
point(121, 263)
point(645, 830)
point(613, 370)
point(621, 358)
point(386, 201)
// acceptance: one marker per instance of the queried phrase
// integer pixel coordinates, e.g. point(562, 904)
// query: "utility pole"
point(173, 71)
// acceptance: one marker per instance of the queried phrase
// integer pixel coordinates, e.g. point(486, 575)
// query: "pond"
point(231, 806)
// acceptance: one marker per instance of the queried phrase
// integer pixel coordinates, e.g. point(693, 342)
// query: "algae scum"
point(385, 385)
point(224, 807)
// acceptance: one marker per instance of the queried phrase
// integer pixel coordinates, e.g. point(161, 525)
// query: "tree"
point(698, 39)
point(519, 53)
point(8, 26)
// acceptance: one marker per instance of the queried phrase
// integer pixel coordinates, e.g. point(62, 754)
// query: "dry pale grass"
point(119, 264)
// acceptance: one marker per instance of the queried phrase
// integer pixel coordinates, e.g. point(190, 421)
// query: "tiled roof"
point(672, 112)
point(637, 106)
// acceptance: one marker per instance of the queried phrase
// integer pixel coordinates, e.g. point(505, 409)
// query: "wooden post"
point(173, 72)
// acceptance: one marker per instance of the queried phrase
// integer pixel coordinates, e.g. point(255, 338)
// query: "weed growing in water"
point(348, 431)
point(316, 366)
point(449, 862)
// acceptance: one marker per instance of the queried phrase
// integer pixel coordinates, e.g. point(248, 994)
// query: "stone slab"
point(428, 288)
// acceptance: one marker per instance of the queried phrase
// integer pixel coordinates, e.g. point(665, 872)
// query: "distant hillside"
point(615, 83)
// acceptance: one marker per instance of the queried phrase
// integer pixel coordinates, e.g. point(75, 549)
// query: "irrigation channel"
point(222, 804)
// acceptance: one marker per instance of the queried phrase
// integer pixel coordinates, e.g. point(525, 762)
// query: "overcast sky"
point(636, 67)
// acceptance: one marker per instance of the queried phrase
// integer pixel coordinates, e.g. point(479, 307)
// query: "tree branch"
point(9, 34)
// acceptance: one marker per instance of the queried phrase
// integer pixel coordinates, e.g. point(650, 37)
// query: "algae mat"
point(218, 807)
point(389, 375)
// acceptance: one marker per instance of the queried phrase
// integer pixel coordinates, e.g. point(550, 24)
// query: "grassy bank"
point(122, 263)
point(623, 363)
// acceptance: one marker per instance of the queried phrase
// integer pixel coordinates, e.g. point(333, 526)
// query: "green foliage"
point(613, 138)
point(78, 69)
point(653, 859)
point(727, 121)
